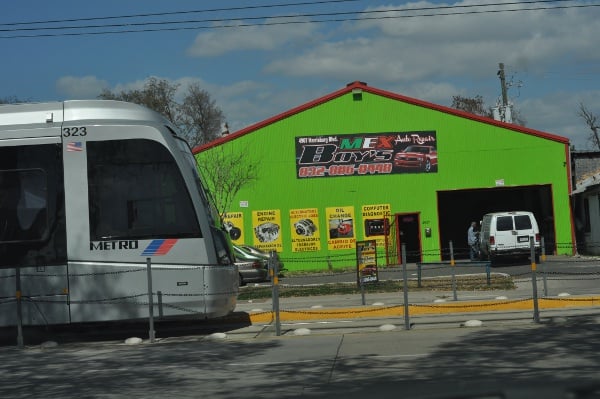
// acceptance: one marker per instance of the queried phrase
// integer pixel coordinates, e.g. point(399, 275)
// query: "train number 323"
point(74, 131)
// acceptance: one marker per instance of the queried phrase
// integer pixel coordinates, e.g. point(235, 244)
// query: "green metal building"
point(366, 164)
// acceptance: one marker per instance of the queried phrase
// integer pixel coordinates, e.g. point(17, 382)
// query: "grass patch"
point(463, 283)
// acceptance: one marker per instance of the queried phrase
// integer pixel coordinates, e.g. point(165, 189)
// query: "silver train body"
point(91, 192)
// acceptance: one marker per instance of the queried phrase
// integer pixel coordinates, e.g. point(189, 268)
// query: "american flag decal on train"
point(75, 146)
point(159, 247)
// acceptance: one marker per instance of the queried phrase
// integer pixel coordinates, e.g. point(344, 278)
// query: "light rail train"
point(91, 192)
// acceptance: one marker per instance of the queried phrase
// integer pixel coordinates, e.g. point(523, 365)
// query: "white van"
point(508, 234)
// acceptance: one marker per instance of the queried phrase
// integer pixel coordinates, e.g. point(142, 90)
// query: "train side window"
point(32, 206)
point(136, 191)
point(23, 205)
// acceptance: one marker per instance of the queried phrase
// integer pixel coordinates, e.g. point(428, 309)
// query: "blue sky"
point(276, 60)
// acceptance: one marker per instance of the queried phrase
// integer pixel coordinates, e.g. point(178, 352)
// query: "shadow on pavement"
point(553, 360)
point(121, 330)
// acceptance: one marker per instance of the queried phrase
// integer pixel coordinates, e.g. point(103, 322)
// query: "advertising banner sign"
point(366, 154)
point(341, 227)
point(267, 230)
point(376, 221)
point(234, 224)
point(306, 235)
point(366, 262)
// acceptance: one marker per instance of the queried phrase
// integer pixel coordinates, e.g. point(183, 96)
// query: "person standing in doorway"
point(473, 241)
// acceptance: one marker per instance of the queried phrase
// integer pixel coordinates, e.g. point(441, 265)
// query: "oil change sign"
point(366, 154)
point(306, 235)
point(341, 233)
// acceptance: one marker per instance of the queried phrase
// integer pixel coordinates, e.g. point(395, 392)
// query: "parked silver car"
point(252, 268)
point(262, 254)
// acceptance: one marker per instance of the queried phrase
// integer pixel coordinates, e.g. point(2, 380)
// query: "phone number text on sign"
point(345, 170)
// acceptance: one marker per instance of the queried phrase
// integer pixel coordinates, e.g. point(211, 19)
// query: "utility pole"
point(503, 85)
point(503, 111)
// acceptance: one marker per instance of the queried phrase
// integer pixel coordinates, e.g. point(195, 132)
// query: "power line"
point(222, 20)
point(343, 18)
point(162, 14)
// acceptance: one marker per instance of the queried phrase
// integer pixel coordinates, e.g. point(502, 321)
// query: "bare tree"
point(473, 105)
point(201, 119)
point(198, 118)
point(518, 117)
point(592, 121)
point(11, 100)
point(225, 171)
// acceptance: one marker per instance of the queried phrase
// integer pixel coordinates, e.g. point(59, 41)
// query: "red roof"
point(365, 88)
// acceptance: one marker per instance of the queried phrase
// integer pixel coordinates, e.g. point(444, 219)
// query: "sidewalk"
point(420, 303)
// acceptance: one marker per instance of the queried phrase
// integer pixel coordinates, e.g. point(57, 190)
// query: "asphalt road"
point(504, 358)
point(508, 356)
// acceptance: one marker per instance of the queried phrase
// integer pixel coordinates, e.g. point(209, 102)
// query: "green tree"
point(225, 171)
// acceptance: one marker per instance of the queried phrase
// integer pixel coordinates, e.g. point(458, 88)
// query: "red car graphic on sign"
point(343, 229)
point(422, 157)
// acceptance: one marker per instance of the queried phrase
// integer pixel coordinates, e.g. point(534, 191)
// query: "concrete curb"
point(425, 309)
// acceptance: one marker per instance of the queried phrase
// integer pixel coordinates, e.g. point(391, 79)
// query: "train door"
point(409, 234)
point(32, 226)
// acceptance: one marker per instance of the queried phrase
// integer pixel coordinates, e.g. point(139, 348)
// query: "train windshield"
point(222, 245)
point(136, 191)
point(191, 161)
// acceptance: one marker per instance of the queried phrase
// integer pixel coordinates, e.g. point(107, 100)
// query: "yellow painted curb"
point(424, 309)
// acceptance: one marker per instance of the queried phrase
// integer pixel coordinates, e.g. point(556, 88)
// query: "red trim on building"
point(568, 165)
point(383, 93)
point(571, 208)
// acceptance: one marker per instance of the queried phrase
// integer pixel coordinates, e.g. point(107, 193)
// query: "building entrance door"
point(409, 234)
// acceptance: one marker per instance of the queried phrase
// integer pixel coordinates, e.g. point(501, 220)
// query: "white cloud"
point(238, 89)
point(135, 85)
point(262, 38)
point(260, 103)
point(85, 87)
point(446, 46)
point(437, 93)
